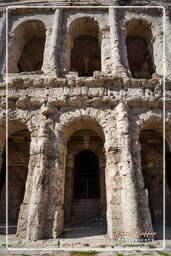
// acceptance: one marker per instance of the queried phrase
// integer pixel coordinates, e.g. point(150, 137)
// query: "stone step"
point(85, 210)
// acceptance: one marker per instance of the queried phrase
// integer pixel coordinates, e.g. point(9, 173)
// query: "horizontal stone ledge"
point(101, 102)
point(99, 80)
point(51, 5)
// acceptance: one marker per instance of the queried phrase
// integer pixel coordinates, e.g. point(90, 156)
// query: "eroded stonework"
point(85, 80)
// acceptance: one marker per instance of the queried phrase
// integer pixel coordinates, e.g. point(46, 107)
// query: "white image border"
point(164, 179)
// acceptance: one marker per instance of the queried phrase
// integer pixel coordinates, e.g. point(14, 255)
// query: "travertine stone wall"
point(79, 141)
point(152, 168)
point(18, 158)
point(54, 103)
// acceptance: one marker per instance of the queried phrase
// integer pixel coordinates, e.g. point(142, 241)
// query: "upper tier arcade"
point(6, 3)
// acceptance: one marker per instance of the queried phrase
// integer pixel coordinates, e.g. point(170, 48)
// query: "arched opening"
point(18, 159)
point(125, 2)
point(85, 194)
point(3, 171)
point(168, 184)
point(86, 175)
point(84, 54)
point(152, 169)
point(27, 47)
point(168, 169)
point(140, 49)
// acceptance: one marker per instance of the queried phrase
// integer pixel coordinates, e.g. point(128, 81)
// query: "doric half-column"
point(2, 40)
point(105, 52)
point(112, 180)
point(117, 66)
point(33, 212)
point(159, 55)
point(54, 203)
point(133, 194)
point(56, 41)
point(46, 61)
point(39, 195)
point(59, 185)
point(157, 42)
point(136, 213)
point(42, 210)
point(128, 193)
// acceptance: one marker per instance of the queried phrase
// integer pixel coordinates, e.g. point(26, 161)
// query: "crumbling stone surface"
point(107, 104)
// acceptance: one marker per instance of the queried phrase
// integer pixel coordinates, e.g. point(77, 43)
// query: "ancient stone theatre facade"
point(85, 115)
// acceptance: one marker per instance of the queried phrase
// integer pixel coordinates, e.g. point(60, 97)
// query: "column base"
point(58, 222)
point(119, 71)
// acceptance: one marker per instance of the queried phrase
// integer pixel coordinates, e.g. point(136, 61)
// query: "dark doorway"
point(139, 58)
point(152, 169)
point(168, 169)
point(28, 45)
point(86, 201)
point(85, 187)
point(139, 42)
point(168, 185)
point(32, 55)
point(86, 180)
point(85, 56)
point(85, 191)
point(3, 171)
point(18, 159)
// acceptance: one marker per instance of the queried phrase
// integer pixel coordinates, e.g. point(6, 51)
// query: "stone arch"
point(168, 184)
point(152, 165)
point(152, 170)
point(69, 124)
point(151, 120)
point(150, 158)
point(168, 169)
point(81, 121)
point(83, 141)
point(27, 47)
point(18, 160)
point(84, 34)
point(139, 41)
point(154, 121)
point(103, 124)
